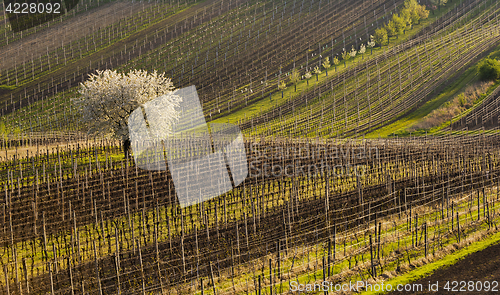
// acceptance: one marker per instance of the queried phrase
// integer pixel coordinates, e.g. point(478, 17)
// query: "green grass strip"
point(448, 260)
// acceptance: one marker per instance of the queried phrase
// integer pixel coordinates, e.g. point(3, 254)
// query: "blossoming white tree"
point(371, 44)
point(108, 98)
point(362, 50)
point(326, 64)
point(307, 75)
point(345, 56)
point(317, 71)
point(353, 52)
point(336, 62)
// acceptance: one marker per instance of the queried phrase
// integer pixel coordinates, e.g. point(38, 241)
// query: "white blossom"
point(371, 43)
point(108, 98)
point(362, 49)
point(353, 52)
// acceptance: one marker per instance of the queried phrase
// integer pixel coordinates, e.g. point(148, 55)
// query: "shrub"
point(462, 100)
point(423, 13)
point(380, 37)
point(454, 107)
point(399, 24)
point(489, 69)
point(390, 28)
point(282, 85)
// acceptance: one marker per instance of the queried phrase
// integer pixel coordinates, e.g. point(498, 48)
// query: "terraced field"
point(321, 201)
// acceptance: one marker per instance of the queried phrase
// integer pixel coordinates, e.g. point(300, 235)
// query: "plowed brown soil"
point(479, 266)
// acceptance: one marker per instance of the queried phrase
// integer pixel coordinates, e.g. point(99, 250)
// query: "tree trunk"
point(126, 147)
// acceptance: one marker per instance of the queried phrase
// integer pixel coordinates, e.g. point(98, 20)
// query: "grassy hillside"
point(250, 96)
point(428, 114)
point(324, 200)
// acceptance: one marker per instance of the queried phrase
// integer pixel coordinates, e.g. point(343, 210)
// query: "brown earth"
point(480, 266)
